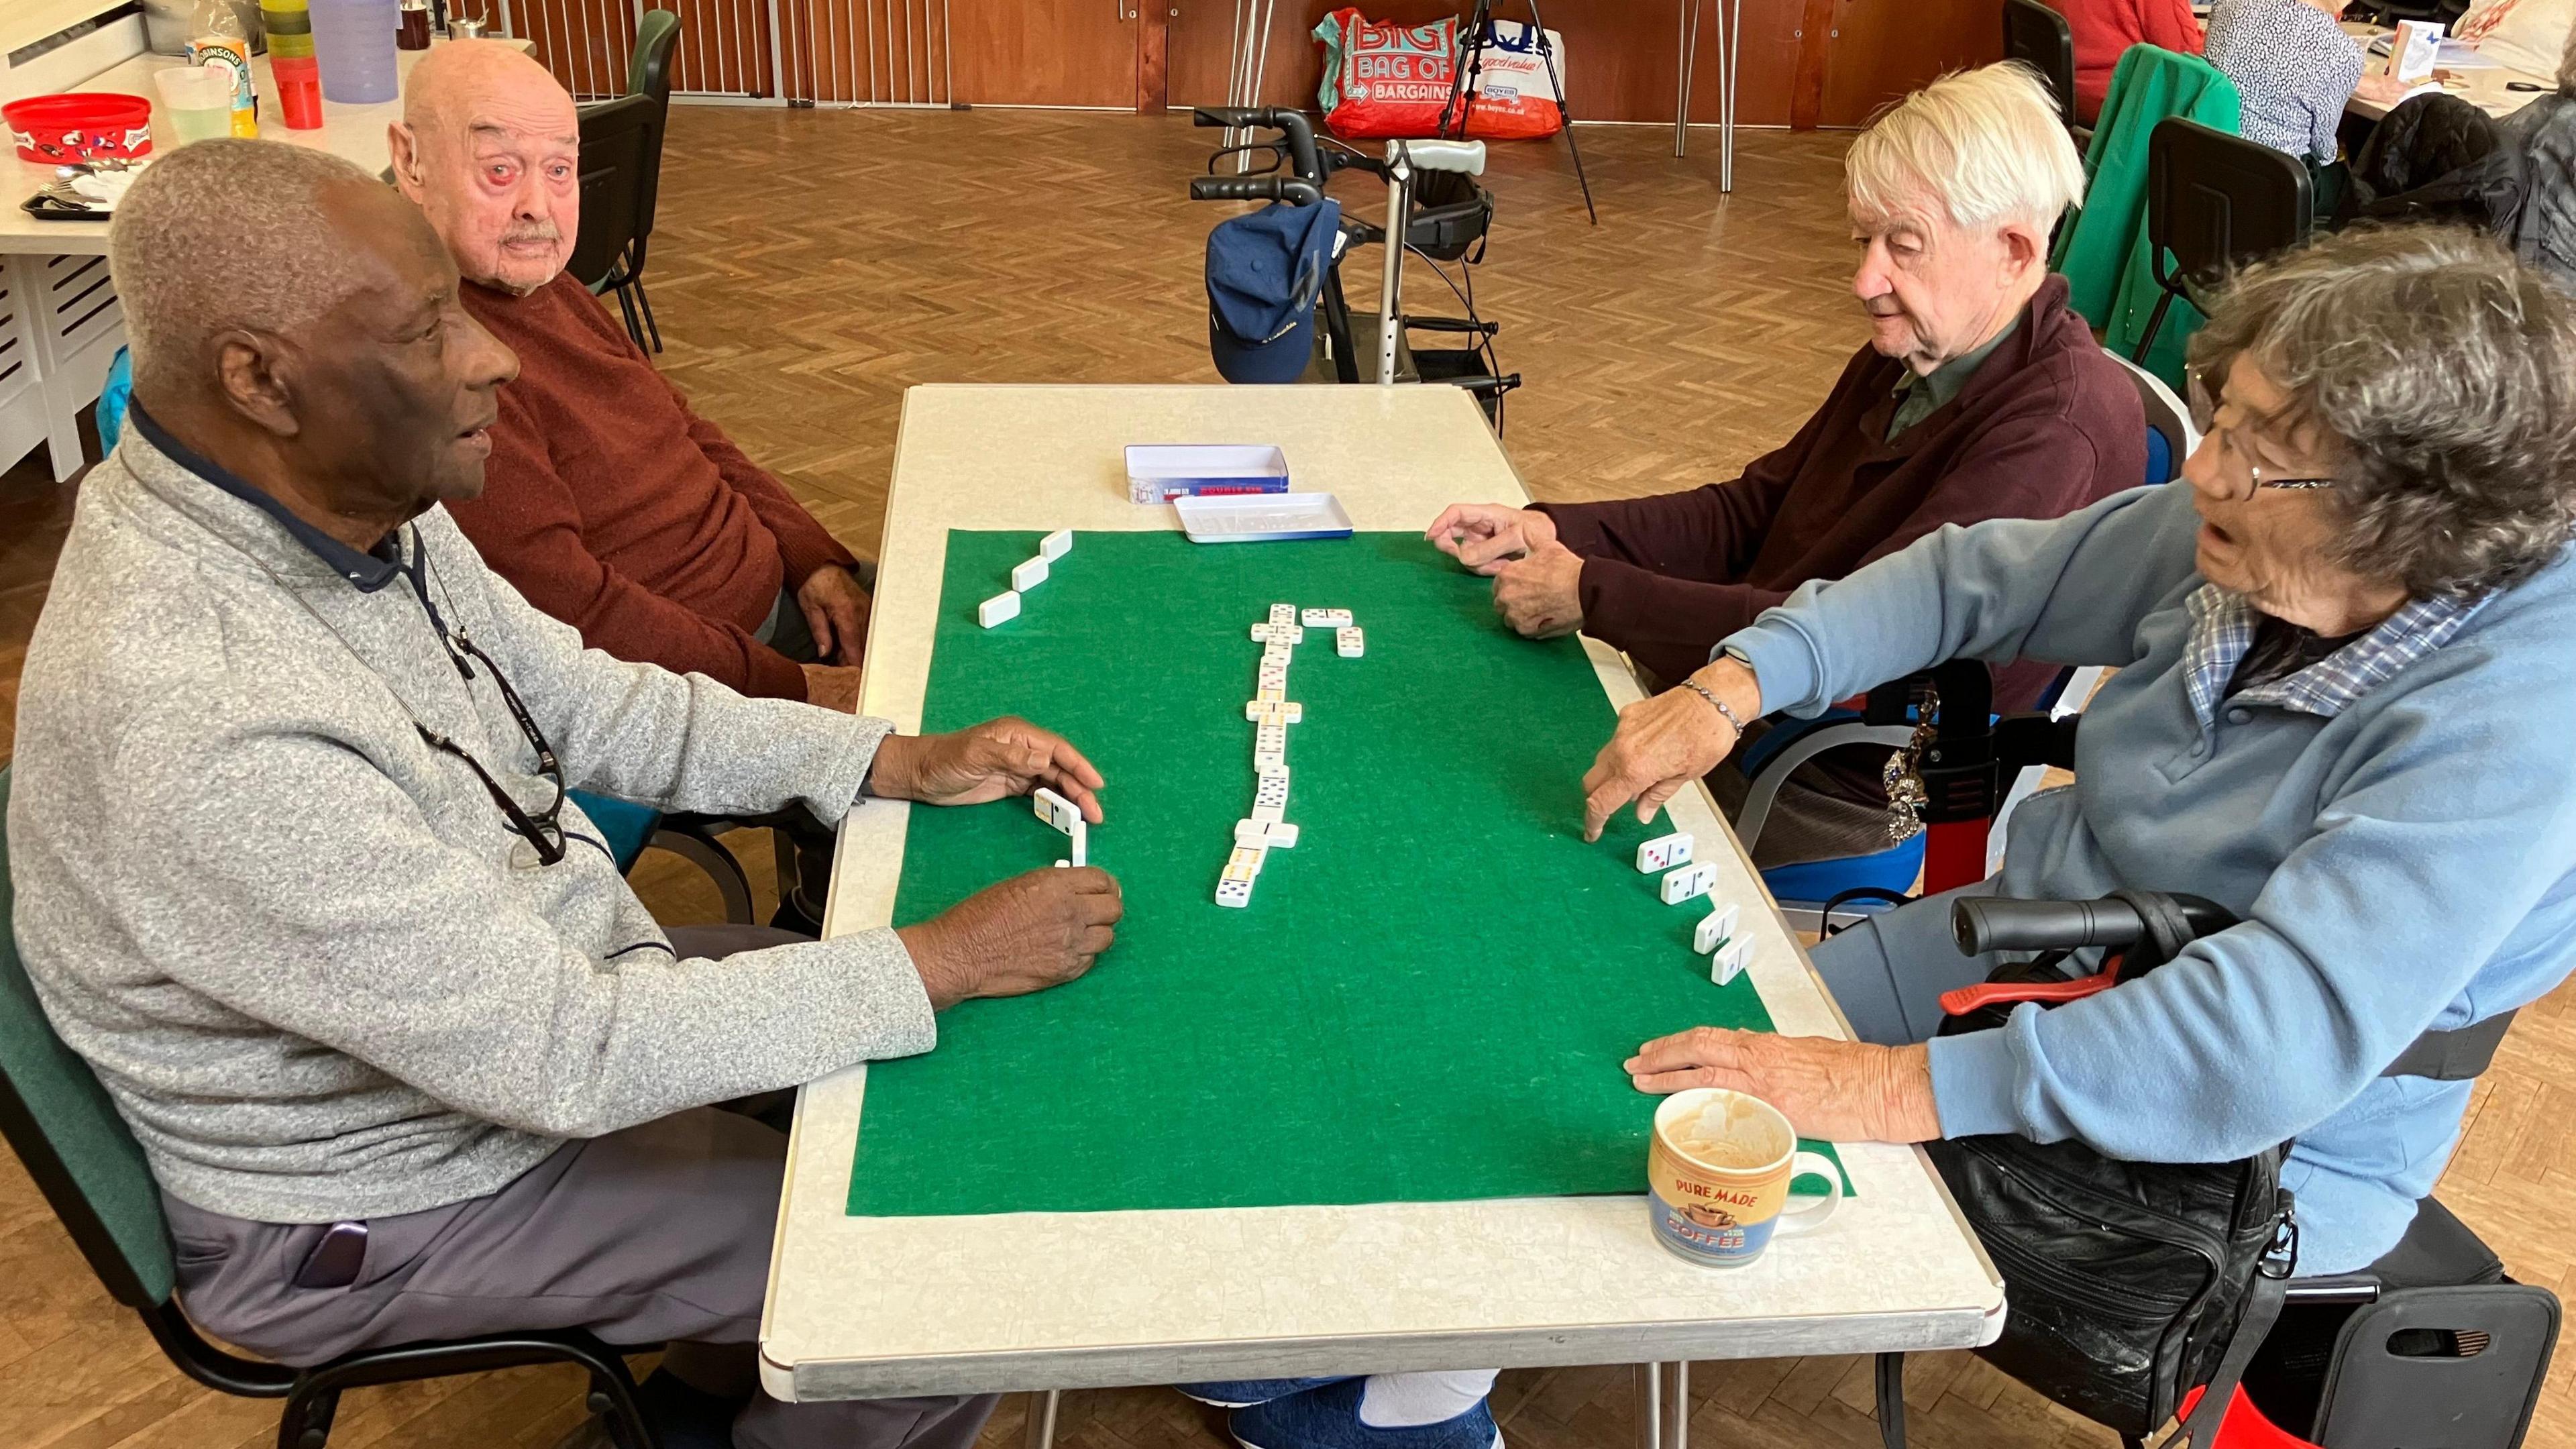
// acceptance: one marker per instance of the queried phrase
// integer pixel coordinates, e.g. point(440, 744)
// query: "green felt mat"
point(1429, 997)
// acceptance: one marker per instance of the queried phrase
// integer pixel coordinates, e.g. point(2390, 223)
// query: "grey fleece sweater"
point(318, 972)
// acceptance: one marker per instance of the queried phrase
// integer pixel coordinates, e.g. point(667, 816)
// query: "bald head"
point(489, 146)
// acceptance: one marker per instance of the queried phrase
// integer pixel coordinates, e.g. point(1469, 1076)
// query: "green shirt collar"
point(1919, 395)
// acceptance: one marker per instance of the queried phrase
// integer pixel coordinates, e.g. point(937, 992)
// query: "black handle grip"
point(1996, 923)
point(1988, 923)
point(1255, 188)
point(1299, 132)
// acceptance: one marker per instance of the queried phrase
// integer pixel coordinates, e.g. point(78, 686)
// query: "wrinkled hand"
point(1021, 935)
point(832, 686)
point(1664, 743)
point(1841, 1091)
point(836, 613)
point(2383, 88)
point(1540, 597)
point(1485, 536)
point(990, 761)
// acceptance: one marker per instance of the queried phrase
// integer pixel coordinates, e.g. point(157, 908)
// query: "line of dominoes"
point(1006, 604)
point(1271, 713)
point(1714, 937)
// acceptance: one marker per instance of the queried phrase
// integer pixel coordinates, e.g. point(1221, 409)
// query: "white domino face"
point(1283, 614)
point(1272, 711)
point(1714, 930)
point(1349, 643)
point(1325, 618)
point(1235, 893)
point(1272, 791)
point(1728, 963)
point(1054, 809)
point(1688, 883)
point(1056, 545)
point(1029, 575)
point(997, 609)
point(1269, 762)
point(1664, 852)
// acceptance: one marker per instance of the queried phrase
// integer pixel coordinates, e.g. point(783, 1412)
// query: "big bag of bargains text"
point(1383, 80)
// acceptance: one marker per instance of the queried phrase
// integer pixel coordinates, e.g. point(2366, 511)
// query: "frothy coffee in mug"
point(1729, 1132)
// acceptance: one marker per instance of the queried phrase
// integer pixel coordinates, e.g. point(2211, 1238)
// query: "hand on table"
point(990, 761)
point(1540, 597)
point(1664, 743)
point(1840, 1091)
point(2385, 89)
point(832, 686)
point(1485, 536)
point(1024, 934)
point(836, 613)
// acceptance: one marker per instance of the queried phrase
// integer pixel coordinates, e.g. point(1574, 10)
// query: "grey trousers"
point(659, 1233)
point(1887, 972)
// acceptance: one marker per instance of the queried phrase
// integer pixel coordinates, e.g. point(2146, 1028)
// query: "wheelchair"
point(2431, 1347)
point(1435, 211)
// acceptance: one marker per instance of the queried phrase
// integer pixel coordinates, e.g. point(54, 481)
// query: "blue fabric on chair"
point(1816, 881)
point(624, 826)
point(2160, 459)
point(112, 398)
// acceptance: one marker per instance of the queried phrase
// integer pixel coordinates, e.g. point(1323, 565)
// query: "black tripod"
point(1468, 79)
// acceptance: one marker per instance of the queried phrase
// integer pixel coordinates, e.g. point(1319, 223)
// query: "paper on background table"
point(1430, 995)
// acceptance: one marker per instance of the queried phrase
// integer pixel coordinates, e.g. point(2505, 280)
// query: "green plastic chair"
point(67, 1132)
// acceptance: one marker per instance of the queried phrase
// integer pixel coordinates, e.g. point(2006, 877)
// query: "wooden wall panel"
point(849, 52)
point(723, 50)
point(1885, 48)
point(1046, 52)
point(1621, 54)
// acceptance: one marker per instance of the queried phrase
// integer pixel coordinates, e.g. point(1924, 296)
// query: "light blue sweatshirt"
point(2408, 864)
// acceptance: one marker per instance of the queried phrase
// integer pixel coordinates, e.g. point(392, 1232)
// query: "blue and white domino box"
point(1161, 472)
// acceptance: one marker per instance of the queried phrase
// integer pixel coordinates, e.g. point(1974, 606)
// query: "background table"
point(861, 1306)
point(60, 322)
point(2483, 87)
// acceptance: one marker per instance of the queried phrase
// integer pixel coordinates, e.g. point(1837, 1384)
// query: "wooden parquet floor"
point(1688, 333)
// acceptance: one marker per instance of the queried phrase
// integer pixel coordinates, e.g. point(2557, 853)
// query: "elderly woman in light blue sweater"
point(2345, 694)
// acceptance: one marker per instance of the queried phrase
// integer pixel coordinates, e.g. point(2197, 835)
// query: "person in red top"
point(2105, 29)
point(1980, 394)
point(609, 503)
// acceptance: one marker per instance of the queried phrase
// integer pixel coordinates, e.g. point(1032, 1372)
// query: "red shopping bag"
point(1383, 80)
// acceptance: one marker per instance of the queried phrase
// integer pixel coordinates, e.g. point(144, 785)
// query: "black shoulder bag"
point(2128, 1282)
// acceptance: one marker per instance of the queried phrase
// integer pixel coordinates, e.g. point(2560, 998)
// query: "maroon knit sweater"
point(614, 508)
point(2047, 424)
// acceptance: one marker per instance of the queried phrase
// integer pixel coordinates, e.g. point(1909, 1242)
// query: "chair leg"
point(612, 1397)
point(1891, 1400)
point(306, 1421)
point(626, 304)
point(720, 866)
point(2155, 323)
point(645, 301)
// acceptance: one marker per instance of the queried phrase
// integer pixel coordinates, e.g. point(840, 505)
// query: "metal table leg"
point(1663, 1419)
point(1042, 1408)
point(1688, 46)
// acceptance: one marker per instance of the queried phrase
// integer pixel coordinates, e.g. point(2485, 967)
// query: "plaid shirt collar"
point(2222, 630)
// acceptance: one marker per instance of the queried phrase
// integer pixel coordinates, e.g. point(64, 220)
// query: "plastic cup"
point(198, 100)
point(299, 90)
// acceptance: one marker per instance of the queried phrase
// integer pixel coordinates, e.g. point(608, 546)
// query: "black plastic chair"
point(2041, 39)
point(67, 1133)
point(648, 73)
point(620, 154)
point(2214, 203)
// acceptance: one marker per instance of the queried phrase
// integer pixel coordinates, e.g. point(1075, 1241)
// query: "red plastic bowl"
point(50, 130)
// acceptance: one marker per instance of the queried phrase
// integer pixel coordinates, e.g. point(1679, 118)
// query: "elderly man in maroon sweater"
point(1981, 394)
point(608, 503)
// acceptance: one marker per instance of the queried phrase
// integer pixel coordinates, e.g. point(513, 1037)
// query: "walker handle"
point(1255, 188)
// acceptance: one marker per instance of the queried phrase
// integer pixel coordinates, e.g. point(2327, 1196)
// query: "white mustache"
point(545, 232)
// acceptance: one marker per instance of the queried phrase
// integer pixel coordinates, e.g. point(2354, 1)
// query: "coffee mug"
point(1718, 1174)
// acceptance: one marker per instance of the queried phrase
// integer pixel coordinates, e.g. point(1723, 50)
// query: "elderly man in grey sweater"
point(297, 877)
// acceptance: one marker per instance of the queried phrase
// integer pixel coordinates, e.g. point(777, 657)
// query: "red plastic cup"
point(299, 90)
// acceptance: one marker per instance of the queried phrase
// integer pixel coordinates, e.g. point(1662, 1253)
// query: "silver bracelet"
point(1715, 703)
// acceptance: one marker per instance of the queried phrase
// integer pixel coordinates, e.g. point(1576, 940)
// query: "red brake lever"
point(1993, 993)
